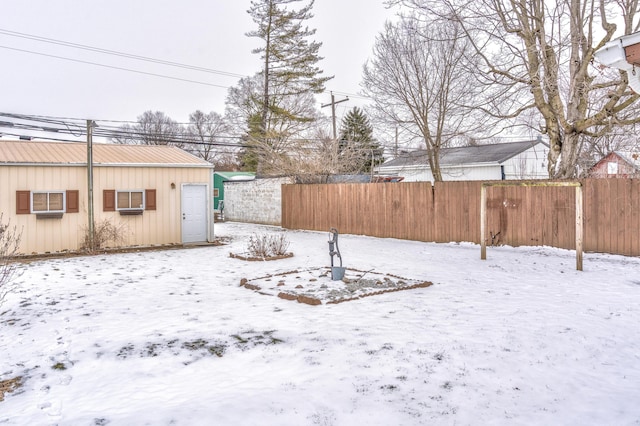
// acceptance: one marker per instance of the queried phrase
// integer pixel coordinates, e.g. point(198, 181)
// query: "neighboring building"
point(503, 161)
point(617, 165)
point(623, 53)
point(255, 201)
point(155, 195)
point(219, 178)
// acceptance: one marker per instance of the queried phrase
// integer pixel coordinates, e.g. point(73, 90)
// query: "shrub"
point(9, 269)
point(265, 245)
point(103, 233)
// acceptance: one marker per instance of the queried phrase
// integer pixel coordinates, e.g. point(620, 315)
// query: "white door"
point(194, 213)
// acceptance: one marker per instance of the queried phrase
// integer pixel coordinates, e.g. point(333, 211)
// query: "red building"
point(617, 165)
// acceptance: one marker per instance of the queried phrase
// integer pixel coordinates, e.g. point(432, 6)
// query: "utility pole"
point(90, 125)
point(333, 112)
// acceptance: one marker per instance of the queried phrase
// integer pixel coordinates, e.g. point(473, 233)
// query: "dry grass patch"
point(9, 385)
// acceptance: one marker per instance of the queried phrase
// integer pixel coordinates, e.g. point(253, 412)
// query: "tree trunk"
point(565, 168)
point(434, 162)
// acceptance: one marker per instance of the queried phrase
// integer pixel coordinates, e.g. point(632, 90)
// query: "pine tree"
point(289, 59)
point(356, 139)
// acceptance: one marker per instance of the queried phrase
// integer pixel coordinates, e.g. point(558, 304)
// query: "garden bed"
point(250, 258)
point(315, 286)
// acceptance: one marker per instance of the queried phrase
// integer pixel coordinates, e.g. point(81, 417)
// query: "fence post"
point(579, 227)
point(483, 222)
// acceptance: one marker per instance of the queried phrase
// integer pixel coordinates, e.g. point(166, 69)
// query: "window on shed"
point(129, 200)
point(47, 201)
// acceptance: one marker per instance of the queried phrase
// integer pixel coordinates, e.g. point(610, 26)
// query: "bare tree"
point(418, 76)
point(537, 55)
point(244, 109)
point(313, 160)
point(205, 134)
point(152, 128)
point(9, 244)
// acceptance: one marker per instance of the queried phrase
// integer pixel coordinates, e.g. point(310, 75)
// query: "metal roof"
point(75, 154)
point(236, 175)
point(489, 154)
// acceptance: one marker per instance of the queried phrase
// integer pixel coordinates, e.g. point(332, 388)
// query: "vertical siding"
point(468, 172)
point(153, 227)
point(160, 226)
point(44, 235)
point(529, 164)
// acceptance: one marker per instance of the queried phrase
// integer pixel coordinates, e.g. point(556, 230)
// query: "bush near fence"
point(450, 212)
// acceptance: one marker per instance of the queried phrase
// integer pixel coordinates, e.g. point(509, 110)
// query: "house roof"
point(75, 154)
point(631, 158)
point(490, 154)
point(236, 175)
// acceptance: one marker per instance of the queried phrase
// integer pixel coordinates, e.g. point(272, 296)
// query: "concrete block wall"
point(256, 201)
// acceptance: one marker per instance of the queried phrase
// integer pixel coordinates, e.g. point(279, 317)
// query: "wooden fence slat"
point(450, 211)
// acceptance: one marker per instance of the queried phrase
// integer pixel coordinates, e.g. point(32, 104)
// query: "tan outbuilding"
point(151, 195)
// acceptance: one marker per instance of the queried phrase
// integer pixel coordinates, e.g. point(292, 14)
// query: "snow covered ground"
point(169, 337)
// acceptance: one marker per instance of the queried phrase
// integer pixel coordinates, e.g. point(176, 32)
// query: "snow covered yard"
point(169, 337)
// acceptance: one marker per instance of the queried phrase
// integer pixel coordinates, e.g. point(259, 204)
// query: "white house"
point(502, 161)
point(623, 53)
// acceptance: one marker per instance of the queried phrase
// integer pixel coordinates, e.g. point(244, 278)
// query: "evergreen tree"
point(248, 156)
point(356, 140)
point(289, 59)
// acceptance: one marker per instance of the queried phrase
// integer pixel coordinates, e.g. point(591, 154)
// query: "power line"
point(116, 53)
point(135, 57)
point(114, 67)
point(61, 127)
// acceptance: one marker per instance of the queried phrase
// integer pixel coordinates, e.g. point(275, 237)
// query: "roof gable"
point(489, 154)
point(75, 153)
point(631, 159)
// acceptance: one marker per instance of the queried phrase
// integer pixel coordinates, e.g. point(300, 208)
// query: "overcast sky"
point(209, 34)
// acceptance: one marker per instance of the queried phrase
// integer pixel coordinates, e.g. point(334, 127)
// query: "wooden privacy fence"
point(450, 212)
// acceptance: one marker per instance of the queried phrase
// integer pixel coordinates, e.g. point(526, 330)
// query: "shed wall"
point(530, 164)
point(44, 235)
point(153, 227)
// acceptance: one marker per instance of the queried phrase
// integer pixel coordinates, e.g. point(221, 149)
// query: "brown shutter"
point(73, 201)
point(150, 199)
point(23, 202)
point(109, 200)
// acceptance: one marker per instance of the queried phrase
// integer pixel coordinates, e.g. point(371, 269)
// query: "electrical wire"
point(116, 53)
point(135, 57)
point(114, 67)
point(61, 126)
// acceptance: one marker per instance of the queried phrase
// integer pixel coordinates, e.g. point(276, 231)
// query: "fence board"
point(450, 211)
point(634, 227)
